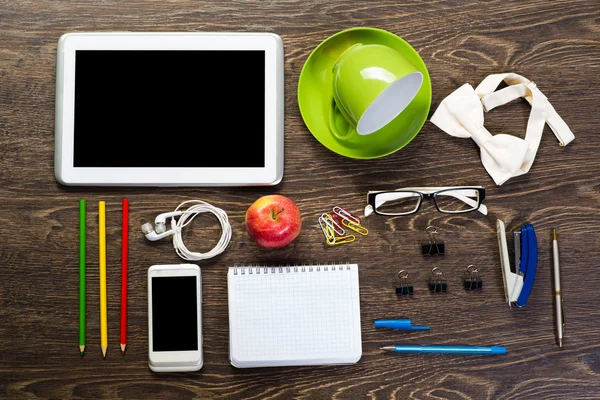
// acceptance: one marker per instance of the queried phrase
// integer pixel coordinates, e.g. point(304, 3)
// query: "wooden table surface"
point(554, 43)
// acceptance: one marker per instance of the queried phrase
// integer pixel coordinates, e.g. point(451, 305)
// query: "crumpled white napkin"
point(503, 156)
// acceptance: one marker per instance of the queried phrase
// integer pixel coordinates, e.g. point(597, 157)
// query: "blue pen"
point(401, 324)
point(409, 348)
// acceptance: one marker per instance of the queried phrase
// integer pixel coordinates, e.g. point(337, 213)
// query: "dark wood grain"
point(555, 43)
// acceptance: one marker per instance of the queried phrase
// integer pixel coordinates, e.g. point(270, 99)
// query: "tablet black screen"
point(146, 108)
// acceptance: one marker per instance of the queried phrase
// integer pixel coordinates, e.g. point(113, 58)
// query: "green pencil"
point(81, 276)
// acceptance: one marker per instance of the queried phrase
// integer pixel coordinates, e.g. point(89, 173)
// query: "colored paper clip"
point(346, 215)
point(330, 232)
point(349, 220)
point(341, 240)
point(333, 224)
point(518, 284)
point(358, 228)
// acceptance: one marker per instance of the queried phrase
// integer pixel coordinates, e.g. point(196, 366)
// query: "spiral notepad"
point(294, 315)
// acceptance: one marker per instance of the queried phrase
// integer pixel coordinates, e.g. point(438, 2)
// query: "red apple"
point(273, 221)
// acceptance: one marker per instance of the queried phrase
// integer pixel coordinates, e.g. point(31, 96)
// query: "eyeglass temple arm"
point(437, 189)
point(482, 207)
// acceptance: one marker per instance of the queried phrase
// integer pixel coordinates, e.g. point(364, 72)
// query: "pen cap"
point(393, 323)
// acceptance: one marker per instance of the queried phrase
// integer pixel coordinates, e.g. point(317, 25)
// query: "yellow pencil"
point(102, 247)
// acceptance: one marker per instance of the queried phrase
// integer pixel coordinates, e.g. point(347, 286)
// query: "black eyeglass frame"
point(480, 196)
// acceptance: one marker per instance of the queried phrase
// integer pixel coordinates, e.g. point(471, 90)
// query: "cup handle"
point(333, 128)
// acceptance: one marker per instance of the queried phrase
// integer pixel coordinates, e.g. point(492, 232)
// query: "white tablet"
point(169, 109)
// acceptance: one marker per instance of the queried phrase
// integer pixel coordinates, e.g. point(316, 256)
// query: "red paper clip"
point(342, 213)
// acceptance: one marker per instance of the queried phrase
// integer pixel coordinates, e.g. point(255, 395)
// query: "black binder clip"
point(473, 281)
point(437, 284)
point(434, 247)
point(405, 287)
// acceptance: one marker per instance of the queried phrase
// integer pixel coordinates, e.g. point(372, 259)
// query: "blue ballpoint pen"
point(409, 348)
point(401, 324)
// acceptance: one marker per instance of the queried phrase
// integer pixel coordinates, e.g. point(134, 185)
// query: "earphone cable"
point(187, 217)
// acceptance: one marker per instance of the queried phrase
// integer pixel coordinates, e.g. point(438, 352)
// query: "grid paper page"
point(301, 315)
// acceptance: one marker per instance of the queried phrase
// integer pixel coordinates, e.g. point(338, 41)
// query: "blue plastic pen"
point(409, 348)
point(403, 324)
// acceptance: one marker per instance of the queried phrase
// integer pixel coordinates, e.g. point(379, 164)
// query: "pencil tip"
point(81, 350)
point(560, 343)
point(123, 346)
point(104, 352)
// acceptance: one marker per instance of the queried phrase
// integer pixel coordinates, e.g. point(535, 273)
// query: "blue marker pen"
point(400, 324)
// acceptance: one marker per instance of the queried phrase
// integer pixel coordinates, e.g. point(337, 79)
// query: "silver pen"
point(560, 317)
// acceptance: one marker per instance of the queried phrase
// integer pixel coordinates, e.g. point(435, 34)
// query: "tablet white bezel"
point(272, 172)
point(173, 361)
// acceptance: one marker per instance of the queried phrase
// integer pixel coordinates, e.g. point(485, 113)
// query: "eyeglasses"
point(405, 201)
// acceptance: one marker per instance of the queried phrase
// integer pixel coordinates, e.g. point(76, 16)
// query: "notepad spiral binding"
point(273, 269)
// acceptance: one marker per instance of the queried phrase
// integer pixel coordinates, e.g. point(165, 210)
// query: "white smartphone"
point(174, 318)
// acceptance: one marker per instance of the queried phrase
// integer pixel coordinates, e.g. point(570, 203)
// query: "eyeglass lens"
point(397, 203)
point(457, 200)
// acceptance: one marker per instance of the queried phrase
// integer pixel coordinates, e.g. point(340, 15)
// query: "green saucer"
point(315, 96)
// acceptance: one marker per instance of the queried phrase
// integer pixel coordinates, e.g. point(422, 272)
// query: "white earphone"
point(185, 217)
point(160, 223)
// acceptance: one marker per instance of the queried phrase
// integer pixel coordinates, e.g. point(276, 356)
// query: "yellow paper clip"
point(342, 240)
point(358, 228)
point(329, 232)
point(333, 240)
point(330, 235)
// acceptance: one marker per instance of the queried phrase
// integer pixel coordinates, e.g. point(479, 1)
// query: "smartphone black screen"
point(174, 313)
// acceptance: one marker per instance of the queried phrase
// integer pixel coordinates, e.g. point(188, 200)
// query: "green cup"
point(372, 85)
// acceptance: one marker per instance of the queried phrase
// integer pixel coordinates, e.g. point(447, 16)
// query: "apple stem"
point(275, 214)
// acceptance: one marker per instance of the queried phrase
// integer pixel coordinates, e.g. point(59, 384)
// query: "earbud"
point(160, 222)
